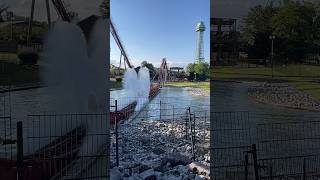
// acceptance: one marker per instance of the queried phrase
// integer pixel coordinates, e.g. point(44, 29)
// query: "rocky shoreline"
point(282, 94)
point(198, 92)
point(158, 149)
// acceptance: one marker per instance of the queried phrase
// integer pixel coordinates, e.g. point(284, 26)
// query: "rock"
point(158, 151)
point(130, 178)
point(199, 177)
point(144, 141)
point(282, 95)
point(199, 168)
point(207, 158)
point(176, 159)
point(172, 177)
point(148, 175)
point(115, 174)
point(147, 146)
point(182, 169)
point(135, 170)
point(134, 177)
point(143, 168)
point(190, 177)
point(126, 173)
point(162, 168)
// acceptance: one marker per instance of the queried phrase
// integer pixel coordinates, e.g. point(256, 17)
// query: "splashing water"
point(76, 79)
point(136, 87)
point(76, 74)
point(144, 87)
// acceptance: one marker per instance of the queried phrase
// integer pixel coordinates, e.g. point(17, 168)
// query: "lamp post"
point(10, 17)
point(272, 37)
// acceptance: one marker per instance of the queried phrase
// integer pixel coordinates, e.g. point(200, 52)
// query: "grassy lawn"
point(14, 74)
point(288, 72)
point(304, 77)
point(202, 85)
point(8, 57)
point(310, 87)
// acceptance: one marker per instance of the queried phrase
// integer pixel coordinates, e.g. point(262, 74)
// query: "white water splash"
point(76, 76)
point(144, 87)
point(136, 87)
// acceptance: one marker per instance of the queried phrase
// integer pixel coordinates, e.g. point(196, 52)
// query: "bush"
point(191, 76)
point(202, 71)
point(119, 79)
point(28, 57)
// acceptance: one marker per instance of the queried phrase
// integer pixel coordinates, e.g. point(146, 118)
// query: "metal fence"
point(289, 148)
point(68, 146)
point(54, 146)
point(231, 140)
point(6, 125)
point(192, 123)
point(282, 147)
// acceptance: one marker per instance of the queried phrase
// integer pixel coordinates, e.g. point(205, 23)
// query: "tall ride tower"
point(200, 28)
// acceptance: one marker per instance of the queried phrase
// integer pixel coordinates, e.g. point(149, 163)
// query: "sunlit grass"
point(202, 85)
point(304, 77)
point(8, 57)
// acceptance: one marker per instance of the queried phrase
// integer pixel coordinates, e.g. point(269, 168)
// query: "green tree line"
point(198, 71)
point(295, 25)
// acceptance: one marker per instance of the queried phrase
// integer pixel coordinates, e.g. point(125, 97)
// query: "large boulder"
point(148, 175)
point(200, 169)
point(175, 159)
point(115, 174)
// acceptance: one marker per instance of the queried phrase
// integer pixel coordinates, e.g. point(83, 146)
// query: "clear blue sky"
point(153, 29)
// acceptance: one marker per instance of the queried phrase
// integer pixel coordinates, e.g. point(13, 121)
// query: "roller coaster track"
point(117, 39)
point(163, 73)
point(60, 8)
point(62, 11)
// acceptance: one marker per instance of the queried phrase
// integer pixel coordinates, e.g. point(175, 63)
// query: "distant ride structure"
point(200, 28)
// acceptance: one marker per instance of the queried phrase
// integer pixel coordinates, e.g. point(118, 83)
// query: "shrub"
point(119, 79)
point(28, 57)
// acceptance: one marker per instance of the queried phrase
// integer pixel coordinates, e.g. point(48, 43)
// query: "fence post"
point(270, 172)
point(304, 169)
point(160, 110)
point(192, 140)
point(172, 112)
point(116, 126)
point(246, 166)
point(205, 122)
point(19, 151)
point(255, 161)
point(194, 134)
point(188, 116)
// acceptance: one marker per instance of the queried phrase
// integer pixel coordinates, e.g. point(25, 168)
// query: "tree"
point(190, 71)
point(150, 66)
point(19, 34)
point(3, 8)
point(257, 29)
point(190, 68)
point(201, 70)
point(104, 9)
point(296, 26)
